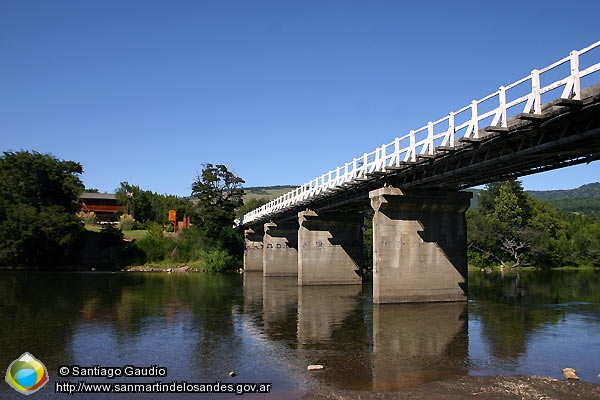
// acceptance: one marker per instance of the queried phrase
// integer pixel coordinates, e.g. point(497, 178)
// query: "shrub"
point(217, 260)
point(154, 245)
point(88, 218)
point(126, 222)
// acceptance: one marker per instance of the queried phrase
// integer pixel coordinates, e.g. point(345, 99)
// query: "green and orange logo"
point(27, 374)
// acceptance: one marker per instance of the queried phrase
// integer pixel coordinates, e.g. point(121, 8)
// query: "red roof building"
point(104, 205)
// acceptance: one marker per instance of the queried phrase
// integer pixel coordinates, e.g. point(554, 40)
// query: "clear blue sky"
point(279, 91)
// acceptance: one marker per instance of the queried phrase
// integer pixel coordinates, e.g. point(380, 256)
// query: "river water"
point(199, 327)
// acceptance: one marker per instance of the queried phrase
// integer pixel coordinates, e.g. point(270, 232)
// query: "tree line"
point(38, 225)
point(511, 228)
point(39, 200)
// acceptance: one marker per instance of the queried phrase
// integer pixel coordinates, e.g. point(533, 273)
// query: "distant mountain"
point(585, 191)
point(585, 199)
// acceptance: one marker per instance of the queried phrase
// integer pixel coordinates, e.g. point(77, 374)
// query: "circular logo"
point(27, 374)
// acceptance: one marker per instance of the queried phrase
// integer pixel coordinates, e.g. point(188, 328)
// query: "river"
point(197, 328)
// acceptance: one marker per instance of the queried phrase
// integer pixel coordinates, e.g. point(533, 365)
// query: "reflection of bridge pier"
point(363, 347)
point(418, 343)
point(280, 305)
point(253, 291)
point(321, 311)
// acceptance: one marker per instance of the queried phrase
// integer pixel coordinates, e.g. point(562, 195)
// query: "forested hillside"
point(585, 199)
point(267, 192)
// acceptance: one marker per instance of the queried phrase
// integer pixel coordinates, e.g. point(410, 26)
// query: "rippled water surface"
point(268, 330)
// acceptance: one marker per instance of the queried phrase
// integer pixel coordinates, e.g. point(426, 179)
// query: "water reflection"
point(202, 326)
point(534, 321)
point(417, 343)
point(363, 347)
point(321, 313)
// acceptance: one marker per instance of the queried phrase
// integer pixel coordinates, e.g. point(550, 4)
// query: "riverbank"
point(477, 387)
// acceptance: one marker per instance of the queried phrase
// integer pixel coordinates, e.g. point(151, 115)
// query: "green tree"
point(586, 240)
point(548, 235)
point(38, 201)
point(512, 228)
point(141, 201)
point(219, 194)
point(496, 230)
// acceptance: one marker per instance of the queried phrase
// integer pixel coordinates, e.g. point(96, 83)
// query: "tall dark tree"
point(219, 193)
point(38, 200)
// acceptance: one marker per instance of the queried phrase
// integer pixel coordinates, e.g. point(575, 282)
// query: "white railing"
point(424, 141)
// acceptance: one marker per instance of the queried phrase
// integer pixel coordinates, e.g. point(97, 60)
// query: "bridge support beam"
point(330, 248)
point(280, 249)
point(419, 245)
point(253, 251)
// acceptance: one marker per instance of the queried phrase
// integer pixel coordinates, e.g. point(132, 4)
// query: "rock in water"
point(232, 374)
point(569, 374)
point(315, 367)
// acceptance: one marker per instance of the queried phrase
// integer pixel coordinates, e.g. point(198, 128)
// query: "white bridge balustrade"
point(549, 119)
point(523, 97)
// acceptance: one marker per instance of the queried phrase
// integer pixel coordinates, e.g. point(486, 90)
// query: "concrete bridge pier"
point(280, 249)
point(253, 251)
point(419, 245)
point(330, 248)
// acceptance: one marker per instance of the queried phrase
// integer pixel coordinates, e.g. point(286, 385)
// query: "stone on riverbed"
point(569, 374)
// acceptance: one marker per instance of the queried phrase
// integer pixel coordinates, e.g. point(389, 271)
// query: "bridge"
point(414, 188)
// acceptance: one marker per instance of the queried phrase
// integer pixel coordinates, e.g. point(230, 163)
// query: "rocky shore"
point(477, 387)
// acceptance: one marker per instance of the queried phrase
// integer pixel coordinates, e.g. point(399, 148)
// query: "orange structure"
point(183, 224)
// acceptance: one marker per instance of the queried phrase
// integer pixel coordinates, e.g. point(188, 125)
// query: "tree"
point(141, 201)
point(548, 234)
point(513, 229)
point(38, 201)
point(219, 193)
point(497, 229)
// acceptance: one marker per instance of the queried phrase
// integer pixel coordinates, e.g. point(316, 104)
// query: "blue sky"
point(278, 91)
